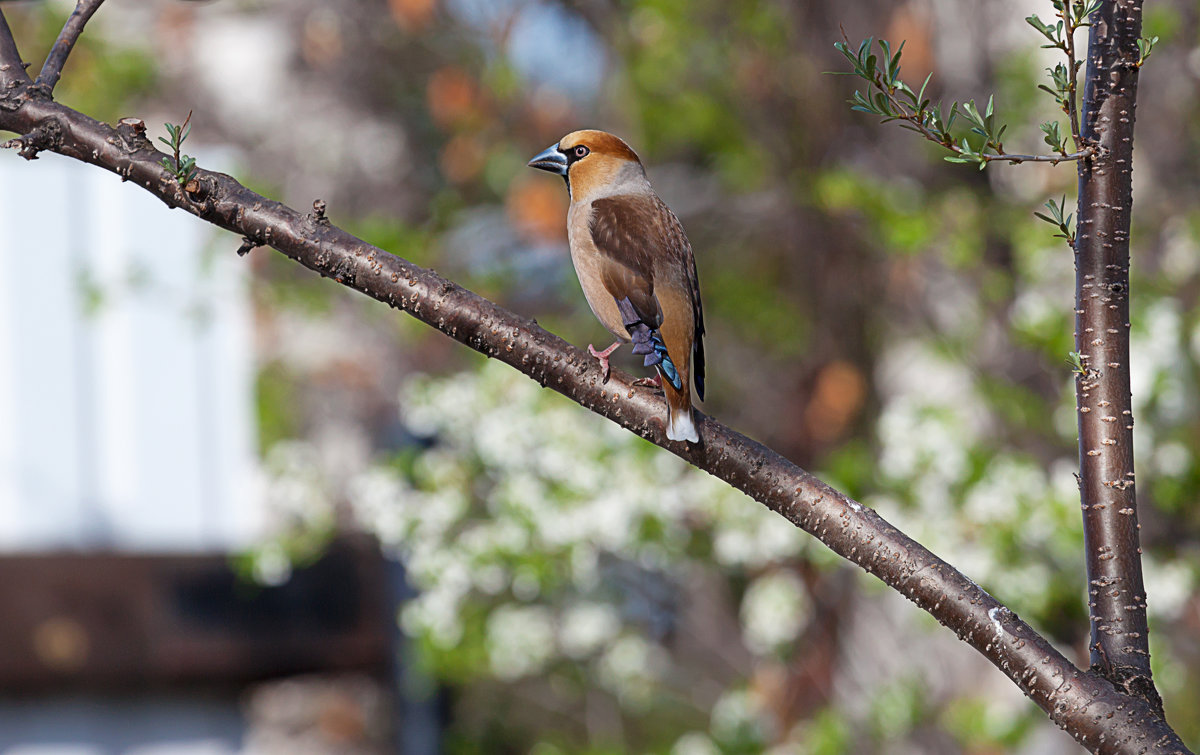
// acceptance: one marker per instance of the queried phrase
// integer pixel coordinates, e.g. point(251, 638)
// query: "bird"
point(635, 266)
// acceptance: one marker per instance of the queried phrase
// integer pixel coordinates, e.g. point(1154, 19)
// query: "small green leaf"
point(1075, 359)
point(1057, 97)
point(1145, 48)
point(1082, 11)
point(1045, 30)
point(1054, 136)
point(921, 95)
point(864, 48)
point(1055, 218)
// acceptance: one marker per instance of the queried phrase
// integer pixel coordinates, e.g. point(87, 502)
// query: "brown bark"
point(12, 69)
point(1116, 596)
point(1096, 714)
point(57, 57)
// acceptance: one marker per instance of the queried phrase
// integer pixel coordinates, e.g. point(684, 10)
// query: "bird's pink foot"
point(603, 357)
point(649, 382)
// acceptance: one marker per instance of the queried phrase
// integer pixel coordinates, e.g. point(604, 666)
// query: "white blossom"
point(775, 608)
point(695, 743)
point(586, 627)
point(520, 640)
point(630, 667)
point(736, 713)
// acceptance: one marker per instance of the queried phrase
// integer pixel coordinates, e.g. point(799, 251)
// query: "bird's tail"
point(680, 424)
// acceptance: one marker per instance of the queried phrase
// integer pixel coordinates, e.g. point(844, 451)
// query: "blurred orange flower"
point(537, 208)
point(412, 15)
point(462, 159)
point(837, 398)
point(321, 41)
point(913, 23)
point(452, 96)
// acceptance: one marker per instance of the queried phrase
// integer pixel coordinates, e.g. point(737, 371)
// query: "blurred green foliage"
point(277, 395)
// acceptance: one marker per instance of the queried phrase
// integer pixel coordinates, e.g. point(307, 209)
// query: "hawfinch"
point(635, 265)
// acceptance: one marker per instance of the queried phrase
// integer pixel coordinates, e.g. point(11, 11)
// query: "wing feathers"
point(644, 246)
point(618, 231)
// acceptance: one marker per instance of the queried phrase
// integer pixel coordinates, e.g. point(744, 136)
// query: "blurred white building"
point(126, 369)
point(128, 475)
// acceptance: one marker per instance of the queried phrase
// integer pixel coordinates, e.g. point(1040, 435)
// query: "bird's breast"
point(587, 261)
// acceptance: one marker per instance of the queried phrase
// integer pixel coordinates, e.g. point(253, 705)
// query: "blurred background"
point(244, 509)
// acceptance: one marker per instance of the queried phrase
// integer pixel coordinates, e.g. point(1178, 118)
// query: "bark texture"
point(1099, 716)
point(1116, 596)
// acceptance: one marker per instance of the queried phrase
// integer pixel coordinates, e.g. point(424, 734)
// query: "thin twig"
point(183, 134)
point(1005, 157)
point(57, 57)
point(12, 68)
point(1072, 69)
point(916, 123)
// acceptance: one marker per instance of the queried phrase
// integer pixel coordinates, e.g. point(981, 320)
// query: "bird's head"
point(593, 163)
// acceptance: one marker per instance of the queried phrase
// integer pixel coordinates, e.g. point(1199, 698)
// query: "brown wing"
point(628, 236)
point(633, 232)
point(680, 246)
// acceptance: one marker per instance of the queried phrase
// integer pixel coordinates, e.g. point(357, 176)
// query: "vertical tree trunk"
point(1116, 596)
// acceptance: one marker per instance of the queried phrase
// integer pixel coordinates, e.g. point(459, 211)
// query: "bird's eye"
point(581, 151)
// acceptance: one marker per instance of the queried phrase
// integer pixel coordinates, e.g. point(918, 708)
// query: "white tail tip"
point(681, 427)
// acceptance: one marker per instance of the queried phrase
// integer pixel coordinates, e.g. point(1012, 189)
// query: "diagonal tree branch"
point(1116, 596)
point(57, 57)
point(1098, 715)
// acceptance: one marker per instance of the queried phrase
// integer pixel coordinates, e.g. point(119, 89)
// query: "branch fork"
point(57, 58)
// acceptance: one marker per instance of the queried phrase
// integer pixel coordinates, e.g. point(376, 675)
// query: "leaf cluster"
point(889, 97)
point(1057, 219)
point(1063, 84)
point(1055, 137)
point(982, 124)
point(1145, 47)
point(182, 167)
point(1071, 16)
point(1060, 35)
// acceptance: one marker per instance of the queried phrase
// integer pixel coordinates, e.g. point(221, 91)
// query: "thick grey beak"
point(550, 160)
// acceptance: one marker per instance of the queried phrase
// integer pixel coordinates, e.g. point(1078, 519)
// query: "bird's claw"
point(649, 382)
point(603, 357)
